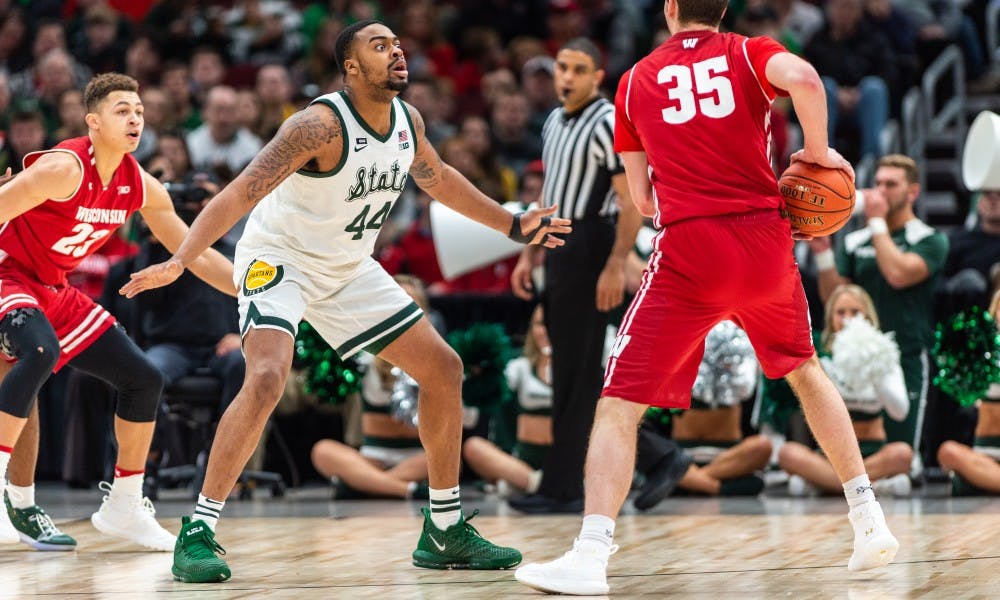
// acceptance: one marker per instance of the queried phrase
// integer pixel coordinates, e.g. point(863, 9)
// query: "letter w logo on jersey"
point(689, 43)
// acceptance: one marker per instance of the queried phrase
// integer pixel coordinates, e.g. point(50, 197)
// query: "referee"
point(584, 279)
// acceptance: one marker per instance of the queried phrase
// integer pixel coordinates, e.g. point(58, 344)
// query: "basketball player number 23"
point(700, 87)
point(78, 244)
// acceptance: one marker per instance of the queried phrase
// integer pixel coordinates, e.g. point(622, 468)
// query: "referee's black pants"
point(577, 330)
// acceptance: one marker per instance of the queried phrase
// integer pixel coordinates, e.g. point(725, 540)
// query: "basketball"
point(818, 200)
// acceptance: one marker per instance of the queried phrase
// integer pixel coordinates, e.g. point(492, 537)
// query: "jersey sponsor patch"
point(261, 276)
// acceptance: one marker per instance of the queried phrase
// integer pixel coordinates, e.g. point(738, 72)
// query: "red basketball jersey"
point(51, 239)
point(699, 106)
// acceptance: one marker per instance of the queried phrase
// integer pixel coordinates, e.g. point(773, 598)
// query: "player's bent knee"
point(266, 382)
point(140, 393)
point(25, 334)
point(452, 367)
point(443, 374)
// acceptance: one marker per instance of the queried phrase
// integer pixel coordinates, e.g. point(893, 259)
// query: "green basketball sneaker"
point(194, 554)
point(460, 547)
point(36, 529)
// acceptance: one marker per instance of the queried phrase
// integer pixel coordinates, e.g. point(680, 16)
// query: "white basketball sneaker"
point(874, 545)
point(582, 571)
point(131, 518)
point(8, 535)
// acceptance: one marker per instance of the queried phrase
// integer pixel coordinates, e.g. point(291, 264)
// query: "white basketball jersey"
point(328, 222)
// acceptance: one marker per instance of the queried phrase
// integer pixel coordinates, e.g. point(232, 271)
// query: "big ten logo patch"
point(261, 276)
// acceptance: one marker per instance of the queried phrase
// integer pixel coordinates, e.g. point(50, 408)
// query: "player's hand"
point(611, 285)
point(7, 176)
point(831, 159)
point(538, 227)
point(801, 237)
point(876, 204)
point(520, 277)
point(153, 276)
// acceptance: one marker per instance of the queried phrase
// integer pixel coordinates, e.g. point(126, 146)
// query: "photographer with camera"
point(190, 325)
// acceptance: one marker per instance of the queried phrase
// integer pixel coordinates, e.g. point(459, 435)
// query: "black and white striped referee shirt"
point(579, 158)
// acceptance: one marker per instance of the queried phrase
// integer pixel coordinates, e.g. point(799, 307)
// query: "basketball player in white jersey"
point(320, 191)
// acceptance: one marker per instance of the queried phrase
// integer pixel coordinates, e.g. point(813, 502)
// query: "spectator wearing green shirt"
point(897, 259)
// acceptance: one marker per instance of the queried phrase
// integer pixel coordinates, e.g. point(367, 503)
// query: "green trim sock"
point(858, 491)
point(446, 507)
point(21, 497)
point(208, 510)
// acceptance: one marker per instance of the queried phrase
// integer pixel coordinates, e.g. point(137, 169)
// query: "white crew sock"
point(597, 533)
point(208, 510)
point(446, 507)
point(21, 497)
point(858, 491)
point(130, 485)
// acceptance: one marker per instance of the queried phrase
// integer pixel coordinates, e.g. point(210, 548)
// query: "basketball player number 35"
point(700, 87)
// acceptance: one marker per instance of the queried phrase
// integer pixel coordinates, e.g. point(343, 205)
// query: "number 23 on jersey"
point(704, 87)
point(78, 244)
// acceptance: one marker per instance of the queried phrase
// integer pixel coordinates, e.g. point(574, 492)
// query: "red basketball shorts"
point(703, 271)
point(77, 320)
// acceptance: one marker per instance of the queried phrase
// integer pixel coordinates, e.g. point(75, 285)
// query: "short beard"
point(388, 85)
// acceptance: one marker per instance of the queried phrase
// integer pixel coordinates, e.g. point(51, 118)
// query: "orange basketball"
point(818, 201)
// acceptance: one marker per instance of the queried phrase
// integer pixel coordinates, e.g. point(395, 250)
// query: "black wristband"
point(525, 238)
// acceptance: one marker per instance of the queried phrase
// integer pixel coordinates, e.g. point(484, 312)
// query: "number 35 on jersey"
point(704, 88)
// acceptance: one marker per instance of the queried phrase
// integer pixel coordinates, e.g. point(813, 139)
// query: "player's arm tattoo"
point(427, 168)
point(299, 140)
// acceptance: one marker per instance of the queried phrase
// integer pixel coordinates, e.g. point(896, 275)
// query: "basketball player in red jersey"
point(692, 124)
point(60, 209)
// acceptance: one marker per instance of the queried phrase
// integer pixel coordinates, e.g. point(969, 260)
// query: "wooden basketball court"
point(694, 555)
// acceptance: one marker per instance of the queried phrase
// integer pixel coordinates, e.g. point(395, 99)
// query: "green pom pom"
point(967, 354)
point(484, 349)
point(660, 416)
point(326, 375)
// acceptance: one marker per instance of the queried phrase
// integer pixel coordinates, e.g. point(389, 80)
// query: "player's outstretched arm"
point(211, 266)
point(55, 175)
point(300, 139)
point(451, 188)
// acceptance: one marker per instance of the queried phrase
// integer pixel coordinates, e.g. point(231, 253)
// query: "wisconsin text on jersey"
point(101, 215)
point(369, 180)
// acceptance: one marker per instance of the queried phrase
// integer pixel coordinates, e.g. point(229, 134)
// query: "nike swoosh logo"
point(439, 546)
point(361, 147)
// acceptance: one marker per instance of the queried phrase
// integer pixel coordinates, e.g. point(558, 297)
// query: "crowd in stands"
point(219, 78)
